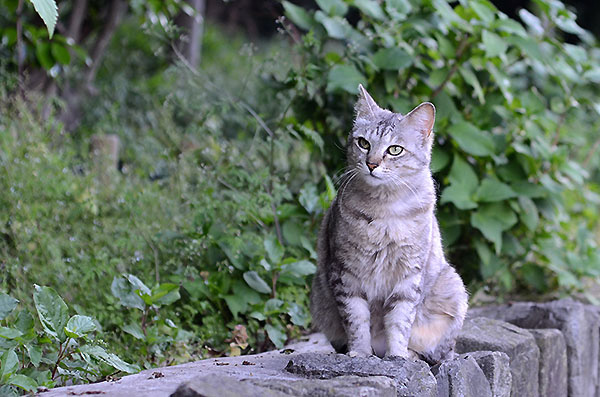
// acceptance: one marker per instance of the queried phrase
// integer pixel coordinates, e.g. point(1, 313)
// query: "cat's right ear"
point(365, 108)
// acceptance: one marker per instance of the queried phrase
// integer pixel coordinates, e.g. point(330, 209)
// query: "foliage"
point(63, 348)
point(225, 172)
point(48, 11)
point(516, 107)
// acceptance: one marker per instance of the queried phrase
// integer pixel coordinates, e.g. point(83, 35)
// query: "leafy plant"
point(64, 350)
point(48, 11)
point(509, 96)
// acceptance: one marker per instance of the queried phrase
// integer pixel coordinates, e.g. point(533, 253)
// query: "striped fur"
point(383, 285)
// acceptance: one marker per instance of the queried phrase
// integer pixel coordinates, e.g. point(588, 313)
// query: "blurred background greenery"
point(164, 165)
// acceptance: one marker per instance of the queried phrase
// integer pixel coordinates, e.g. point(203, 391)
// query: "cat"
point(383, 285)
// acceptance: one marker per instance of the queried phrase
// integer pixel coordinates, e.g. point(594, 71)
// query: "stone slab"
point(412, 377)
point(160, 382)
point(496, 368)
point(579, 324)
point(553, 362)
point(344, 386)
point(488, 334)
point(461, 377)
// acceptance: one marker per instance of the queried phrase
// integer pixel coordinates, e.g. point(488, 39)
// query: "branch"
point(77, 16)
point(117, 11)
point(20, 55)
point(459, 52)
point(588, 158)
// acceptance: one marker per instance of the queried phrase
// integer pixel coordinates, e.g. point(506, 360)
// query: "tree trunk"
point(190, 44)
point(117, 8)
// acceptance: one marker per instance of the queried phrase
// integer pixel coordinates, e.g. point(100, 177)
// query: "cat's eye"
point(395, 150)
point(363, 143)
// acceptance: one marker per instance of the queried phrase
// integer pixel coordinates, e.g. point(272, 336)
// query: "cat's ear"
point(422, 118)
point(365, 107)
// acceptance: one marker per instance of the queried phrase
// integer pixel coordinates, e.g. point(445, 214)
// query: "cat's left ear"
point(365, 108)
point(422, 118)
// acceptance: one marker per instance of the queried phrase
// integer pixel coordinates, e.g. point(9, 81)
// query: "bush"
point(517, 113)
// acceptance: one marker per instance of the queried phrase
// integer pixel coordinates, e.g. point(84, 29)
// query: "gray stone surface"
point(412, 377)
point(580, 326)
point(553, 362)
point(461, 377)
point(496, 368)
point(488, 334)
point(160, 382)
point(344, 386)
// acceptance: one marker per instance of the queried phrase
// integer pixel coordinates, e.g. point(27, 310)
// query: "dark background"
point(257, 18)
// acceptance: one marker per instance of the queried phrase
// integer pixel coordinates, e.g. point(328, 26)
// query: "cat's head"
point(385, 146)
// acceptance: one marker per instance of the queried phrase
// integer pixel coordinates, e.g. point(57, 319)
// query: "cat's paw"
point(355, 353)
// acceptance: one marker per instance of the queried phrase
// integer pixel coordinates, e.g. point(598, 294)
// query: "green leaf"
point(124, 291)
point(392, 59)
point(277, 336)
point(109, 358)
point(165, 294)
point(439, 159)
point(257, 283)
point(138, 284)
point(24, 322)
point(336, 27)
point(493, 44)
point(43, 55)
point(300, 268)
point(10, 363)
point(494, 190)
point(462, 173)
point(79, 326)
point(48, 10)
point(471, 139)
point(35, 354)
point(298, 15)
point(471, 79)
point(298, 315)
point(457, 195)
point(274, 249)
point(344, 77)
point(60, 53)
point(484, 10)
point(529, 213)
point(292, 232)
point(593, 75)
point(333, 7)
point(134, 330)
point(7, 305)
point(492, 220)
point(490, 263)
point(534, 275)
point(24, 382)
point(52, 311)
point(528, 189)
point(532, 21)
point(9, 333)
point(463, 184)
point(401, 7)
point(370, 8)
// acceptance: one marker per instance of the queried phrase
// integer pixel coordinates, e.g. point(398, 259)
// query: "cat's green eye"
point(363, 143)
point(395, 150)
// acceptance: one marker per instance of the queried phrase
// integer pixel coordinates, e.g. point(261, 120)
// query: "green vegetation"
point(203, 242)
point(517, 108)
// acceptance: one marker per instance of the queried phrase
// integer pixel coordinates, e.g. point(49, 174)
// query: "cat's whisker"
point(412, 191)
point(354, 173)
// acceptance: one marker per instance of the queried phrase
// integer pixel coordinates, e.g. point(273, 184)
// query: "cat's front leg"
point(399, 314)
point(355, 314)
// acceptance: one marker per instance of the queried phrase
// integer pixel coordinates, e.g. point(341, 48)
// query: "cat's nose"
point(372, 166)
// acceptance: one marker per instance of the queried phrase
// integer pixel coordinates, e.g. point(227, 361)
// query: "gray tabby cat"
point(383, 284)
